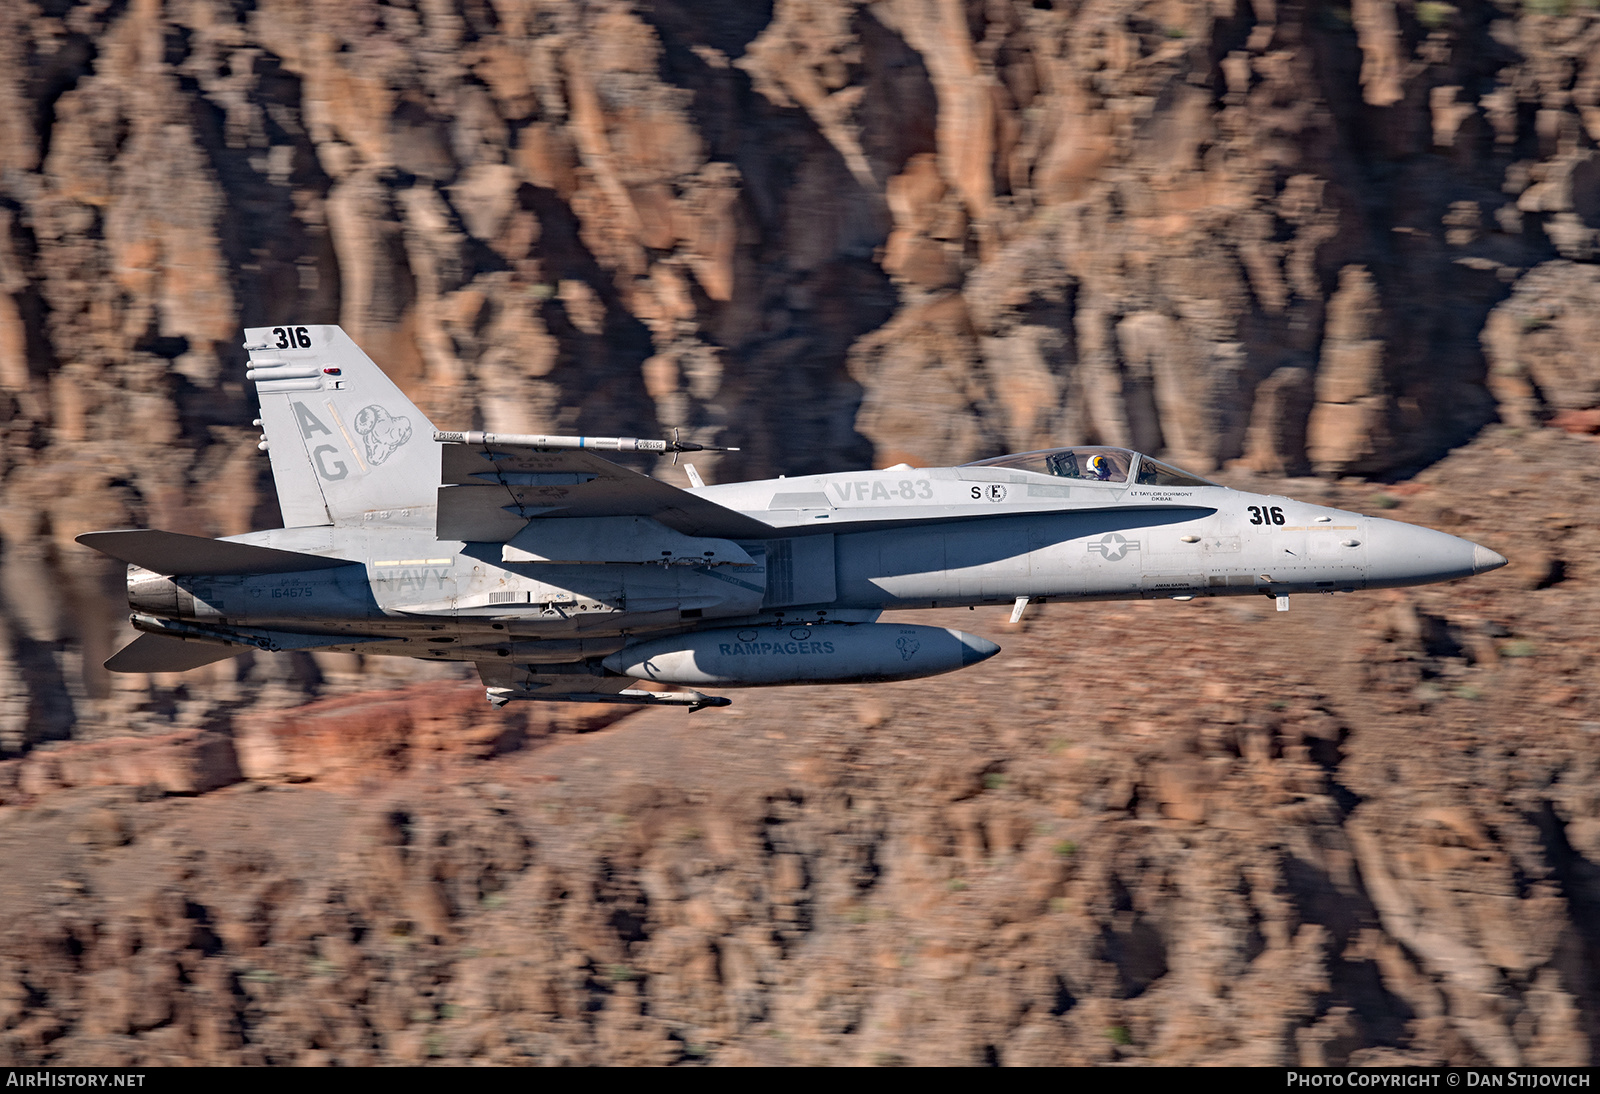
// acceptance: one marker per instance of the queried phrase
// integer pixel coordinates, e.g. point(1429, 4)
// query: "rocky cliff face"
point(1262, 237)
point(827, 232)
point(1364, 832)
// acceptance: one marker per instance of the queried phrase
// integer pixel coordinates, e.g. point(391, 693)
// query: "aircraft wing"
point(491, 491)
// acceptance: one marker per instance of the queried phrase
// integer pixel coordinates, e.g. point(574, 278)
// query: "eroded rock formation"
point(829, 232)
point(1365, 832)
point(1251, 236)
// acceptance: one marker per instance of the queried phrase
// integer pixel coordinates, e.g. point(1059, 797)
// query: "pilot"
point(1100, 468)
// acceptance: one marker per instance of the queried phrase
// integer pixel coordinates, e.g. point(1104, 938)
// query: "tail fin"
point(345, 442)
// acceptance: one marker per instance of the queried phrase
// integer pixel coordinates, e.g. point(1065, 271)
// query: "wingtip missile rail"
point(602, 444)
point(694, 700)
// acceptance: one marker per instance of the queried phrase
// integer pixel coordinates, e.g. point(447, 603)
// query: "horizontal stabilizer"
point(158, 653)
point(179, 555)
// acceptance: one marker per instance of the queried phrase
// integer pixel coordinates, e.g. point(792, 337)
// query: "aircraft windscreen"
point(1155, 473)
point(1087, 464)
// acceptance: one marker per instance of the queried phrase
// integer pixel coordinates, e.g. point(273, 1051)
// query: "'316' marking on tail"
point(292, 337)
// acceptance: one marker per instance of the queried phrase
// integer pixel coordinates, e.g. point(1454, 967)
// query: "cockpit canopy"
point(1096, 464)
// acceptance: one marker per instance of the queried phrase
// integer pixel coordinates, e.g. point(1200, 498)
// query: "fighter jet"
point(565, 576)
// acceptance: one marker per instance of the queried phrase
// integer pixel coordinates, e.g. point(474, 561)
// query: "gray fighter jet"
point(565, 576)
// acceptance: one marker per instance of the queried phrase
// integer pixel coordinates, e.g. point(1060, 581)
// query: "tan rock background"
point(1257, 238)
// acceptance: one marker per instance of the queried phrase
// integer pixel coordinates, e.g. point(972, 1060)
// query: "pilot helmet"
point(1100, 467)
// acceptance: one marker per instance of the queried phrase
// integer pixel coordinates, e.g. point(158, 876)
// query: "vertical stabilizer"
point(346, 444)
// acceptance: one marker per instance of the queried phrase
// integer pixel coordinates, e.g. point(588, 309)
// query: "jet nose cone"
point(1402, 554)
point(1484, 560)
